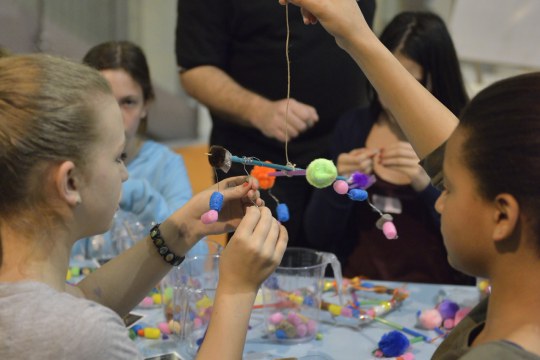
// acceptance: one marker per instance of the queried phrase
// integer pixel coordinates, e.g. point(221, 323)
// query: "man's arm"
point(223, 95)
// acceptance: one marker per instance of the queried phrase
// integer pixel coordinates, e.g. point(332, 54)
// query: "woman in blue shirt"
point(158, 181)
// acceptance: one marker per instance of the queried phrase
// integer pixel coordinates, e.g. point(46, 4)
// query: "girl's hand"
point(356, 160)
point(238, 192)
point(341, 18)
point(401, 157)
point(253, 252)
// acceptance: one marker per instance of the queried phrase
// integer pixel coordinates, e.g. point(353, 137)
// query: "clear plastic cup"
point(292, 295)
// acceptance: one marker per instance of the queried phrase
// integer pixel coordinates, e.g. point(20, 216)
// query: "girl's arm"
point(425, 121)
point(122, 282)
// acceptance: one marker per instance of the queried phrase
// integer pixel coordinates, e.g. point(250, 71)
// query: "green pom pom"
point(321, 173)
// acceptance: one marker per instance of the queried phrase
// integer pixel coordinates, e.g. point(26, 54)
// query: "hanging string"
point(288, 86)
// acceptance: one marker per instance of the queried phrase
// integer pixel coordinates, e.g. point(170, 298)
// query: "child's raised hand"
point(356, 160)
point(238, 193)
point(253, 252)
point(341, 18)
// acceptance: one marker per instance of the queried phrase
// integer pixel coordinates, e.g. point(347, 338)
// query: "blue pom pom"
point(282, 212)
point(358, 194)
point(394, 344)
point(272, 282)
point(216, 201)
point(308, 301)
point(281, 334)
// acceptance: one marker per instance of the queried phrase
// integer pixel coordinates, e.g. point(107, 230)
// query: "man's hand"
point(270, 119)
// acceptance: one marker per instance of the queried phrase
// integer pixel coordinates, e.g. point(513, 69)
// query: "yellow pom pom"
point(334, 309)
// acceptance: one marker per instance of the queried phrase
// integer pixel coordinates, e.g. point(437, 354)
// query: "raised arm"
point(425, 121)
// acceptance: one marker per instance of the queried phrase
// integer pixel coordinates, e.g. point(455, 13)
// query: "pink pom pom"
point(312, 327)
point(294, 319)
point(346, 312)
point(301, 330)
point(164, 328)
point(448, 323)
point(407, 356)
point(276, 318)
point(341, 187)
point(147, 302)
point(430, 319)
point(197, 322)
point(460, 314)
point(209, 217)
point(389, 230)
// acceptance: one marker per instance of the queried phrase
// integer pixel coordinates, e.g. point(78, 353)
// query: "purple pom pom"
point(361, 180)
point(393, 344)
point(448, 309)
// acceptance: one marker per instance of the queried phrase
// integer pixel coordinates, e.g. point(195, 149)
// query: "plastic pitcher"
point(197, 280)
point(292, 295)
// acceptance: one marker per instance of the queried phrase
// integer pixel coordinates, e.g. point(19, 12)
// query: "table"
point(342, 338)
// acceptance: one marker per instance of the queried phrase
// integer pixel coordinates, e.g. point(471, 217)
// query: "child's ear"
point(68, 183)
point(506, 216)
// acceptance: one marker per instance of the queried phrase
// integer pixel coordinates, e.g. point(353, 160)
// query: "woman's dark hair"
point(126, 56)
point(502, 142)
point(424, 38)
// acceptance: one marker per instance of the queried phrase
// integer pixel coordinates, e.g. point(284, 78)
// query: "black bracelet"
point(162, 248)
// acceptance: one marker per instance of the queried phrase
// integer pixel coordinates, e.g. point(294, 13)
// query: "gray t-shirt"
point(38, 322)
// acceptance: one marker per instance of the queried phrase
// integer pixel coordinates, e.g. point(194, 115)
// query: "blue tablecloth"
point(342, 338)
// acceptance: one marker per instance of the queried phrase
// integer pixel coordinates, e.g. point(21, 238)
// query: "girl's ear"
point(68, 183)
point(506, 216)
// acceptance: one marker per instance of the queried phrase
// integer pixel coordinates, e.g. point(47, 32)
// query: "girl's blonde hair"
point(47, 115)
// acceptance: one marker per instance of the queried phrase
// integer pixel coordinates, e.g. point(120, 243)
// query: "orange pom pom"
point(261, 174)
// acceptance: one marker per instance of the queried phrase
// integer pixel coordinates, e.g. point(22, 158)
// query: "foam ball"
point(341, 187)
point(393, 344)
point(321, 173)
point(407, 356)
point(209, 217)
point(301, 330)
point(361, 180)
point(358, 194)
point(147, 302)
point(216, 201)
point(164, 328)
point(429, 319)
point(448, 309)
point(460, 314)
point(448, 323)
point(276, 318)
point(389, 230)
point(312, 327)
point(282, 212)
point(261, 174)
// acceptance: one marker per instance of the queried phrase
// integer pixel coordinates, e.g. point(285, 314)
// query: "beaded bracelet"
point(162, 248)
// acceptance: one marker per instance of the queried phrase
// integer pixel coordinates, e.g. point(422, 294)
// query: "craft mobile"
point(320, 173)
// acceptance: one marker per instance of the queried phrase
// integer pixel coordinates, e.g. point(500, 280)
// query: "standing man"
point(231, 57)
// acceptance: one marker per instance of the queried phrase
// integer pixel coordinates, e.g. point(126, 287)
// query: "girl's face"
point(466, 217)
point(129, 95)
point(106, 171)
